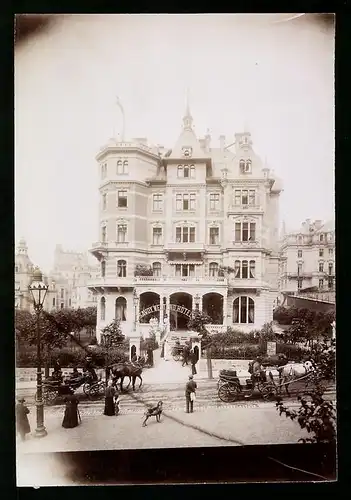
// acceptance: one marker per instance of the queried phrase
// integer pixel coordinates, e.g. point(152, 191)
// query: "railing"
point(100, 244)
point(244, 283)
point(245, 244)
point(184, 246)
point(180, 279)
point(244, 208)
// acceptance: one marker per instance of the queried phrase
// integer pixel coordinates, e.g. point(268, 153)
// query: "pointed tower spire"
point(187, 119)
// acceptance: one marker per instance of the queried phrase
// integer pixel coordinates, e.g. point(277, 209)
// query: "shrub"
point(239, 352)
point(143, 270)
point(292, 352)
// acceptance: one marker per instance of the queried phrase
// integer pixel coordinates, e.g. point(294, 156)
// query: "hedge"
point(293, 353)
point(72, 357)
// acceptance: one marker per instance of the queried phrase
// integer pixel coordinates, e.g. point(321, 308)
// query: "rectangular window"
point(244, 197)
point(245, 234)
point(299, 269)
point(192, 201)
point(237, 197)
point(185, 270)
point(62, 305)
point(330, 283)
point(69, 302)
point(104, 201)
point(330, 268)
point(299, 254)
point(122, 233)
point(321, 252)
point(252, 197)
point(321, 267)
point(185, 234)
point(179, 202)
point(157, 236)
point(331, 251)
point(157, 202)
point(122, 198)
point(185, 201)
point(53, 302)
point(244, 269)
point(321, 283)
point(238, 231)
point(62, 293)
point(299, 284)
point(214, 201)
point(252, 236)
point(214, 235)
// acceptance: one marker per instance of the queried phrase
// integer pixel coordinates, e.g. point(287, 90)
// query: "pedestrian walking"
point(71, 417)
point(190, 394)
point(193, 362)
point(185, 355)
point(110, 394)
point(22, 421)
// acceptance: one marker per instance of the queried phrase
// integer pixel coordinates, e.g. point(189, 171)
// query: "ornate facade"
point(193, 227)
point(307, 257)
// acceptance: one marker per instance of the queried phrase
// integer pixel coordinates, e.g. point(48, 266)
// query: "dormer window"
point(245, 166)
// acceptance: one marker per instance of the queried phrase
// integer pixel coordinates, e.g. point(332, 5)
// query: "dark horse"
point(122, 370)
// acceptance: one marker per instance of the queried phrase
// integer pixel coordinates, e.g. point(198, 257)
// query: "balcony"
point(242, 209)
point(245, 244)
point(115, 282)
point(174, 280)
point(99, 248)
point(238, 283)
point(184, 247)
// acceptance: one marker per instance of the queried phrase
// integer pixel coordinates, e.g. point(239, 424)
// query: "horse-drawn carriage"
point(231, 389)
point(177, 352)
point(52, 388)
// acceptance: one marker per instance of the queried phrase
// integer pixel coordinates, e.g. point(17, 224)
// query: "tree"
point(198, 321)
point(114, 333)
point(142, 270)
point(297, 331)
point(315, 414)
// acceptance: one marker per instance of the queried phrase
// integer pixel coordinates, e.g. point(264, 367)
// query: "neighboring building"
point(69, 278)
point(307, 258)
point(23, 277)
point(67, 282)
point(186, 213)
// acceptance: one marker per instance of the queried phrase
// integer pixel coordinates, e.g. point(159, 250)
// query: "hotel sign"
point(173, 307)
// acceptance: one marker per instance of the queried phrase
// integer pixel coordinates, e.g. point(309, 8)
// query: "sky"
point(272, 76)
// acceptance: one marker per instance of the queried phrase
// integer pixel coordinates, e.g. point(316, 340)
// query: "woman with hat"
point(22, 422)
point(110, 396)
point(70, 418)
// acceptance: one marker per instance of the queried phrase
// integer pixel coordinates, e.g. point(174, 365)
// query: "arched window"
point(321, 237)
point(243, 310)
point(102, 308)
point(119, 167)
point(252, 269)
point(180, 171)
point(192, 171)
point(237, 269)
point(242, 165)
point(248, 166)
point(121, 269)
point(121, 309)
point(103, 268)
point(300, 239)
point(125, 166)
point(103, 234)
point(244, 269)
point(186, 171)
point(156, 269)
point(213, 268)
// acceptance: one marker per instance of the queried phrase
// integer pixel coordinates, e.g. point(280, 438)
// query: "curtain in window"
point(244, 270)
point(236, 311)
point(252, 268)
point(120, 309)
point(102, 308)
point(237, 269)
point(243, 310)
point(251, 311)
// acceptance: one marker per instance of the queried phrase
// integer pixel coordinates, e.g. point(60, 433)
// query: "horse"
point(122, 370)
point(274, 360)
point(293, 371)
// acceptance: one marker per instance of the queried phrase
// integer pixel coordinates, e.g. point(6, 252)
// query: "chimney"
point(222, 142)
point(318, 224)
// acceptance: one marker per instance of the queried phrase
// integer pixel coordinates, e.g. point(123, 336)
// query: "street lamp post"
point(38, 290)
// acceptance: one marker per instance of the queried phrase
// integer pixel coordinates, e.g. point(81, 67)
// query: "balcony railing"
point(116, 281)
point(188, 246)
point(244, 208)
point(245, 244)
point(244, 283)
point(180, 279)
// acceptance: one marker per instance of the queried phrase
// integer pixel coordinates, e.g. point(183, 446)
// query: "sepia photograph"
point(174, 242)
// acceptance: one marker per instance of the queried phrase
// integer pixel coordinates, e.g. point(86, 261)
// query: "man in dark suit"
point(190, 389)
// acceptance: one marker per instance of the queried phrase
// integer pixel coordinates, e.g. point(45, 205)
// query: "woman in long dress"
point(110, 394)
point(70, 418)
point(22, 422)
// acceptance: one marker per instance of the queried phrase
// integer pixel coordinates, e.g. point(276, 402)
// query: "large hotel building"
point(192, 227)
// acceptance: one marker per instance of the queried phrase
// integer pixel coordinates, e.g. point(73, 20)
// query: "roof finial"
point(187, 119)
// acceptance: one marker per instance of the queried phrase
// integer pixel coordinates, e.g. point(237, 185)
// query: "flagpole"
point(119, 104)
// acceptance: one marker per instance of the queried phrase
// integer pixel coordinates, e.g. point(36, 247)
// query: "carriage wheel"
point(96, 390)
point(228, 392)
point(86, 388)
point(267, 390)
